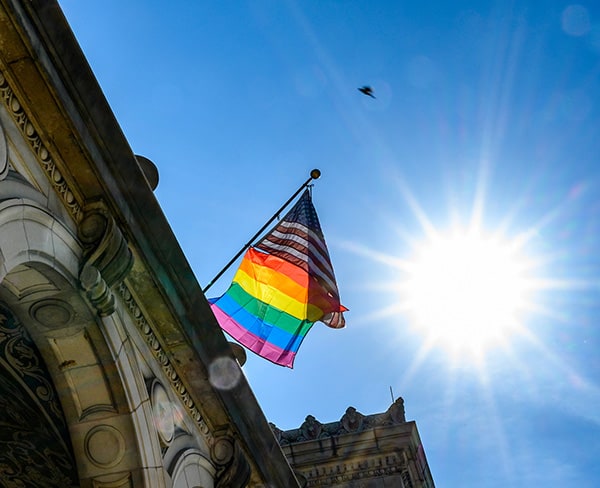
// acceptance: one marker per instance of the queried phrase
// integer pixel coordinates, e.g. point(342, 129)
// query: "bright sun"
point(466, 291)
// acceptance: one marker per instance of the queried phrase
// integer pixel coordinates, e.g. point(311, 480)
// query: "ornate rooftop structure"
point(380, 450)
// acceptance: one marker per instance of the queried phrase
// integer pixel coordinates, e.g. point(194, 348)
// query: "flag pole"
point(314, 175)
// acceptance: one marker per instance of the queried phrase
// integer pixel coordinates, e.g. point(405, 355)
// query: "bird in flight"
point(367, 90)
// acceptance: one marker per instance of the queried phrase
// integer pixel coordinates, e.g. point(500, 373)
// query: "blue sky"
point(486, 118)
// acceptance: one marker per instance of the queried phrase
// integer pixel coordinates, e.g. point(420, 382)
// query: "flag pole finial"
point(315, 174)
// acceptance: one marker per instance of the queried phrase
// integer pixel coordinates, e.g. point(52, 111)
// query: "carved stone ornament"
point(352, 420)
point(233, 467)
point(46, 160)
point(221, 450)
point(52, 313)
point(396, 411)
point(362, 473)
point(162, 358)
point(3, 155)
point(104, 446)
point(311, 428)
point(35, 446)
point(108, 258)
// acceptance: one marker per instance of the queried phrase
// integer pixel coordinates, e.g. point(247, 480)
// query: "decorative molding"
point(19, 354)
point(46, 160)
point(348, 473)
point(104, 446)
point(35, 447)
point(52, 313)
point(161, 357)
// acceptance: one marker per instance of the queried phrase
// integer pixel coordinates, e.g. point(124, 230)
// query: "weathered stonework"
point(126, 340)
point(34, 418)
point(23, 121)
point(162, 359)
point(380, 450)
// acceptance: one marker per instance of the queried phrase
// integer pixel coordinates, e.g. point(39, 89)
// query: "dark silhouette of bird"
point(367, 90)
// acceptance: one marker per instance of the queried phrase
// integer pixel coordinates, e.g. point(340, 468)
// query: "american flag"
point(298, 238)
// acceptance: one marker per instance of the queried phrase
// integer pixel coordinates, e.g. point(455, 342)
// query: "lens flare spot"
point(224, 373)
point(575, 20)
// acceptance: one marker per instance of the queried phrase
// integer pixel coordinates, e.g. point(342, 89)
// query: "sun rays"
point(465, 290)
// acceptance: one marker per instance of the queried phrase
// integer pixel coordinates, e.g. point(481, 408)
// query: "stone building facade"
point(113, 370)
point(358, 451)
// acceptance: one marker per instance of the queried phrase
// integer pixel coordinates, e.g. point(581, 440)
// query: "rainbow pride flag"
point(283, 286)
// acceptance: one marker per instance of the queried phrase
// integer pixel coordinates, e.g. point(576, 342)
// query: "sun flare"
point(466, 291)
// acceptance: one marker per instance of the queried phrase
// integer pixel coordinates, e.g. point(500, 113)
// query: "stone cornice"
point(75, 208)
point(345, 472)
point(161, 357)
point(43, 155)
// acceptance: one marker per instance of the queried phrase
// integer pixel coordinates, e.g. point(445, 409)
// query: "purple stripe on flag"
point(251, 341)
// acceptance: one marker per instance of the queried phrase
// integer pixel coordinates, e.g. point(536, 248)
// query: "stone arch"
point(35, 446)
point(29, 233)
point(193, 470)
point(86, 357)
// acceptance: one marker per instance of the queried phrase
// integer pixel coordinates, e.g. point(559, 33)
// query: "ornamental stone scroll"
point(233, 467)
point(108, 258)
